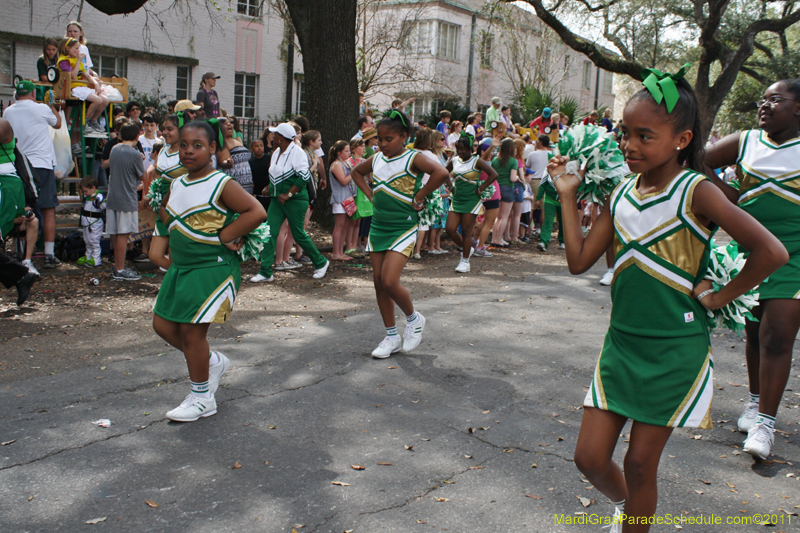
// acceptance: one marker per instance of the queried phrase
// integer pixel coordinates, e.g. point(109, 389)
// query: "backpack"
point(71, 247)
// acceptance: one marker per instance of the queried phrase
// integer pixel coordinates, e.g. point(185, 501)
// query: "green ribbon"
point(662, 85)
point(470, 137)
point(215, 125)
point(181, 118)
point(394, 113)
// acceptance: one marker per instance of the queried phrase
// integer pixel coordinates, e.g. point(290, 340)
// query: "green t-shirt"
point(504, 171)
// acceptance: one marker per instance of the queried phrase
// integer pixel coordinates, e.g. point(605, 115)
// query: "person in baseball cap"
point(493, 113)
point(207, 96)
point(186, 112)
point(285, 130)
point(288, 187)
point(24, 87)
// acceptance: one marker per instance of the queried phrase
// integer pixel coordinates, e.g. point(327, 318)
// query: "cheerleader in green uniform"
point(768, 169)
point(168, 167)
point(467, 189)
point(655, 366)
point(397, 196)
point(204, 275)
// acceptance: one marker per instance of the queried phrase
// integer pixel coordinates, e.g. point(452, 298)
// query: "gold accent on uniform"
point(404, 185)
point(764, 175)
point(695, 385)
point(598, 382)
point(682, 249)
point(209, 221)
point(662, 278)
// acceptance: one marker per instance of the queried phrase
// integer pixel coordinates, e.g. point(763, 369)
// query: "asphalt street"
point(472, 432)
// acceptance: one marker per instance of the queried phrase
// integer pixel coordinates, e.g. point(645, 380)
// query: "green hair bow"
point(662, 85)
point(394, 113)
point(215, 125)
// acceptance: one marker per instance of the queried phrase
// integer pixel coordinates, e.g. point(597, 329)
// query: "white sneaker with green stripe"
point(192, 408)
point(413, 335)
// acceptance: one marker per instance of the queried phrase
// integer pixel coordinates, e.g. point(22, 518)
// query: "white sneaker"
point(319, 273)
point(463, 265)
point(413, 335)
point(192, 408)
point(542, 247)
point(748, 417)
point(607, 278)
point(27, 263)
point(759, 441)
point(561, 246)
point(416, 256)
point(215, 372)
point(616, 523)
point(387, 347)
point(258, 278)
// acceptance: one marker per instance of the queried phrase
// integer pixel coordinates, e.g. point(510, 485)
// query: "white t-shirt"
point(471, 130)
point(87, 62)
point(30, 122)
point(147, 146)
point(452, 138)
point(527, 205)
point(433, 157)
point(537, 162)
point(529, 148)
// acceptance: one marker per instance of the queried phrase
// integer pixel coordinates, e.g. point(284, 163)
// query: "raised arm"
point(721, 154)
point(582, 253)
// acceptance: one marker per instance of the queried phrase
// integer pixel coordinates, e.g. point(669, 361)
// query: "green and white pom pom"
point(154, 194)
point(487, 194)
point(254, 242)
point(725, 264)
point(432, 212)
point(595, 150)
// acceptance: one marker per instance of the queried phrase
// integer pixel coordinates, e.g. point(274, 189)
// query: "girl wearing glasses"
point(768, 169)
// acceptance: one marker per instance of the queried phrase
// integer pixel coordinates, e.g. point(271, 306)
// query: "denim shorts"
point(507, 193)
point(519, 191)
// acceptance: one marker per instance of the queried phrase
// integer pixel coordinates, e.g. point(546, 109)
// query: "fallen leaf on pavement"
point(731, 485)
point(298, 526)
point(534, 497)
point(236, 465)
point(357, 467)
point(476, 467)
point(385, 464)
point(698, 491)
point(706, 482)
point(6, 443)
point(272, 427)
point(410, 448)
point(392, 367)
point(340, 483)
point(586, 502)
point(790, 513)
point(151, 504)
point(266, 463)
point(441, 500)
point(94, 521)
point(449, 482)
point(533, 465)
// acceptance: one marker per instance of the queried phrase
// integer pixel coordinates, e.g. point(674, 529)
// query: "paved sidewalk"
point(475, 430)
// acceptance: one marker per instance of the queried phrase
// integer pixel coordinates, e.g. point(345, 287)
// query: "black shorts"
point(525, 219)
point(491, 204)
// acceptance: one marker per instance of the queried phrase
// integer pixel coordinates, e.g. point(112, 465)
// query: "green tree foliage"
point(721, 34)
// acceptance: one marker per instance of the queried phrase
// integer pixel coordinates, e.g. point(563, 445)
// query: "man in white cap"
point(207, 96)
point(30, 122)
point(288, 179)
point(493, 113)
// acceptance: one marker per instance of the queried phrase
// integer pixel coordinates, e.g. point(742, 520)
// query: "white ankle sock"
point(213, 359)
point(754, 398)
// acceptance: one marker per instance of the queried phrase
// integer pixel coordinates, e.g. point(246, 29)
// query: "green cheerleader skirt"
point(198, 295)
point(665, 381)
point(465, 199)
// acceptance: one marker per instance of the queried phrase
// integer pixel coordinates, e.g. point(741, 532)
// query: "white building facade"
point(247, 47)
point(449, 50)
point(467, 50)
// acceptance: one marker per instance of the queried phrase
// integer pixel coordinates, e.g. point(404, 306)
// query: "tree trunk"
point(326, 31)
